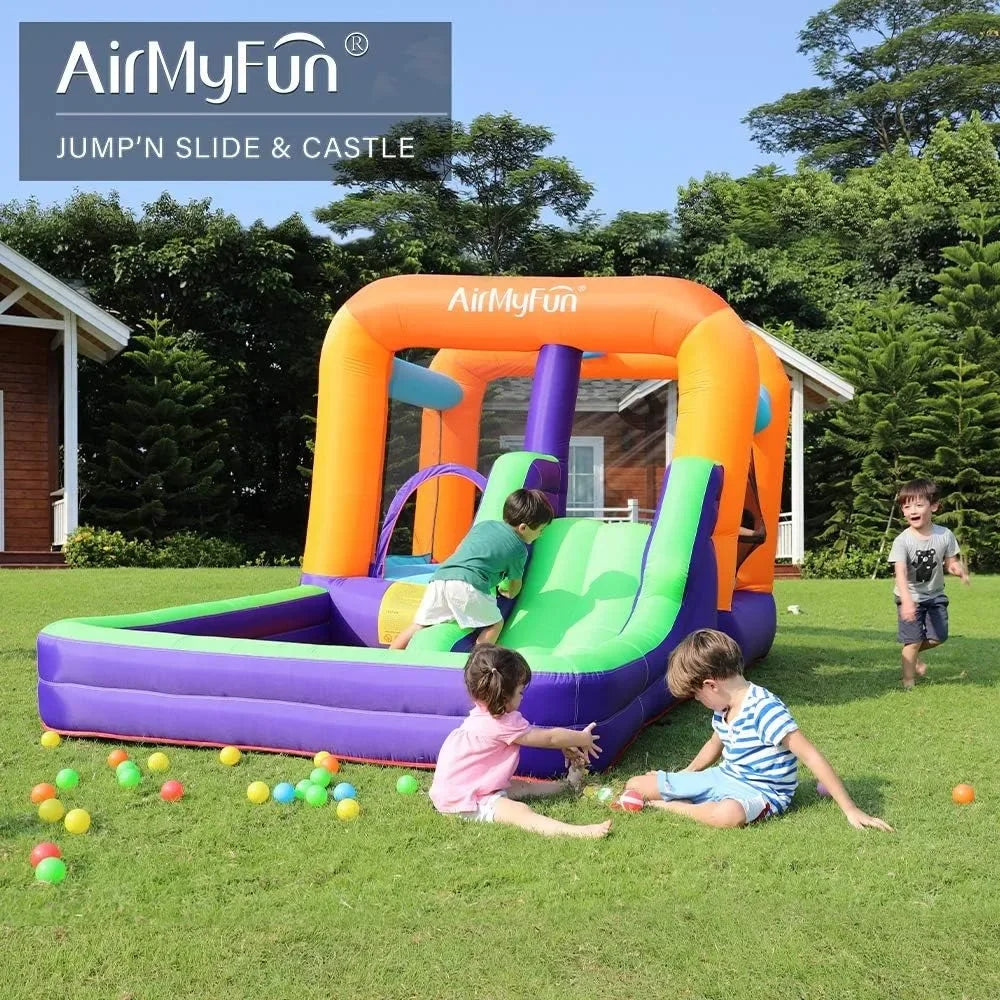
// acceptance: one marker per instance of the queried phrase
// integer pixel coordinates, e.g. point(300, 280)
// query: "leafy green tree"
point(890, 356)
point(961, 429)
point(159, 471)
point(890, 71)
point(970, 292)
point(480, 220)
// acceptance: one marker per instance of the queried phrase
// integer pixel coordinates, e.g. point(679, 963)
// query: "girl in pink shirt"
point(475, 769)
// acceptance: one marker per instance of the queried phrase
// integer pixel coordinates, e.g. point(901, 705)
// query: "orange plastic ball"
point(963, 794)
point(331, 764)
point(116, 757)
point(42, 792)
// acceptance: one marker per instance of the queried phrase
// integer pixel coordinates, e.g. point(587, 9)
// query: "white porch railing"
point(633, 512)
point(786, 543)
point(58, 518)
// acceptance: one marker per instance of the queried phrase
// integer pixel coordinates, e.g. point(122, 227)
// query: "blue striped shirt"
point(751, 746)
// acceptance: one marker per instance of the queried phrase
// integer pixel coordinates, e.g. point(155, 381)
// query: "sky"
point(642, 95)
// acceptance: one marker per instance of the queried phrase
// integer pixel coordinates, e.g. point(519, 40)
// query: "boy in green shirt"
point(463, 588)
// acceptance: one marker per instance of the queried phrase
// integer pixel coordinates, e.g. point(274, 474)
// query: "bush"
point(832, 564)
point(188, 550)
point(97, 548)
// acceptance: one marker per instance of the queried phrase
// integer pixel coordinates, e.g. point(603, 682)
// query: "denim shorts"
point(931, 622)
point(712, 785)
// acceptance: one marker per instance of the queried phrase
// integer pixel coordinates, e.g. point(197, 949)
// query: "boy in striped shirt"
point(755, 735)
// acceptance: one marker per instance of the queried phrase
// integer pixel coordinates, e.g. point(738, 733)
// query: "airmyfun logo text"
point(555, 299)
point(151, 70)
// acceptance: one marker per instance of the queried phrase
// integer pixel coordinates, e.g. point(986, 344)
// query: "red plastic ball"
point(631, 801)
point(42, 792)
point(44, 850)
point(171, 791)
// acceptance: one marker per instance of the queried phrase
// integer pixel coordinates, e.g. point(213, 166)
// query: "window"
point(585, 496)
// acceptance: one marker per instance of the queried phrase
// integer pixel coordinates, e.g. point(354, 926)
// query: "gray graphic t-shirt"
point(924, 556)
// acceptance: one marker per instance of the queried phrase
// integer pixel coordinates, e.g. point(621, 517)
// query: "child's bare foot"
point(921, 668)
point(908, 685)
point(593, 832)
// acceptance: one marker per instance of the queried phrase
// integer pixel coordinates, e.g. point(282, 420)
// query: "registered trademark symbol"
point(356, 43)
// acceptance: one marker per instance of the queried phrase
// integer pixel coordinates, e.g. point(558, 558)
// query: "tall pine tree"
point(889, 355)
point(961, 428)
point(160, 470)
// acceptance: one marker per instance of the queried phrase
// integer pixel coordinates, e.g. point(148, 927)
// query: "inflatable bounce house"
point(602, 604)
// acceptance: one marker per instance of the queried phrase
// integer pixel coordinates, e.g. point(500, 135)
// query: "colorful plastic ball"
point(51, 870)
point(605, 794)
point(117, 757)
point(46, 849)
point(763, 417)
point(51, 811)
point(50, 740)
point(320, 776)
point(315, 795)
point(126, 765)
point(77, 821)
point(963, 794)
point(67, 778)
point(129, 777)
point(631, 801)
point(302, 787)
point(822, 791)
point(171, 791)
point(345, 790)
point(348, 809)
point(42, 792)
point(284, 793)
point(258, 792)
point(406, 784)
point(230, 756)
point(331, 764)
point(320, 757)
point(158, 761)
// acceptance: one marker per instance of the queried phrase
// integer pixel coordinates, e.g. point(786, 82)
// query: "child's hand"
point(588, 743)
point(859, 820)
point(574, 755)
point(909, 611)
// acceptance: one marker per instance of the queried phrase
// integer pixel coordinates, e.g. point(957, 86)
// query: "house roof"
point(45, 297)
point(821, 386)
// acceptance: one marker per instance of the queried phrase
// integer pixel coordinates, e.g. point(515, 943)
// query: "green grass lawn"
point(213, 898)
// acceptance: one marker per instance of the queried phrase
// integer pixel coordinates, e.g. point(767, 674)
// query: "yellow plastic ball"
point(50, 740)
point(77, 821)
point(320, 757)
point(348, 809)
point(230, 756)
point(258, 792)
point(158, 762)
point(51, 811)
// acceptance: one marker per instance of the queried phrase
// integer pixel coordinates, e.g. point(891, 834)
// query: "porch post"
point(70, 440)
point(798, 480)
point(671, 417)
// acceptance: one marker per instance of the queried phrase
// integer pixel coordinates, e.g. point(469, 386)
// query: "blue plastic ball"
point(283, 793)
point(763, 410)
point(345, 790)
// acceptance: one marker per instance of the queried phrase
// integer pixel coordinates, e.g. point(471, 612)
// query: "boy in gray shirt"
point(922, 552)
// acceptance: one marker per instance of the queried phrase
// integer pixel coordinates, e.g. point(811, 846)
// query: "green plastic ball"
point(316, 795)
point(302, 787)
point(67, 778)
point(321, 776)
point(129, 778)
point(51, 870)
point(406, 784)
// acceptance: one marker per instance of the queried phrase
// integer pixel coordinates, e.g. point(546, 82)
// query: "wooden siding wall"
point(26, 370)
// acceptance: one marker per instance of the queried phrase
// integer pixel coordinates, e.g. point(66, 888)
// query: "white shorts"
point(456, 601)
point(485, 809)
